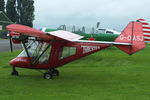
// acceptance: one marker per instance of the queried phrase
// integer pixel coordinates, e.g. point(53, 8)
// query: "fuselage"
point(46, 55)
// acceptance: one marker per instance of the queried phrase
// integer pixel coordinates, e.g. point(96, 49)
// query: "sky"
point(112, 14)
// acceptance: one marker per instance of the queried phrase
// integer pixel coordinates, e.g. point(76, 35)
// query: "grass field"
point(106, 75)
point(1, 39)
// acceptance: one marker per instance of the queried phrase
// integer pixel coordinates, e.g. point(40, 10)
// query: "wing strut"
point(25, 47)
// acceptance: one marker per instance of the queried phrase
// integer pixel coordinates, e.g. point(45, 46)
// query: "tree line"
point(19, 11)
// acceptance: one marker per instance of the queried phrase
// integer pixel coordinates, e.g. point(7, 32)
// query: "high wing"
point(64, 35)
point(25, 30)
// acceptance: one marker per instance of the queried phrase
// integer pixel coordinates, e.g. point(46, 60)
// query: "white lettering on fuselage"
point(87, 49)
point(129, 38)
point(21, 60)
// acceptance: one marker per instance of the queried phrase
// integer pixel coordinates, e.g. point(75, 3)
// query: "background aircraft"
point(99, 34)
point(146, 30)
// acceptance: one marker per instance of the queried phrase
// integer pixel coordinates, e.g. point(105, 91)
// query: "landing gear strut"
point(14, 72)
point(51, 73)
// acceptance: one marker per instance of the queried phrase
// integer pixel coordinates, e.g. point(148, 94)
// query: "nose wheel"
point(14, 72)
point(51, 73)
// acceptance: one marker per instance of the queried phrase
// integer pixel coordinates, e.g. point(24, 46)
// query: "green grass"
point(1, 39)
point(106, 75)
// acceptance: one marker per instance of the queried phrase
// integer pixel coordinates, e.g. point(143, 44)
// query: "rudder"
point(131, 34)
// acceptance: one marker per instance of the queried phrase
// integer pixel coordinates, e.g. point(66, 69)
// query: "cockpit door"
point(38, 51)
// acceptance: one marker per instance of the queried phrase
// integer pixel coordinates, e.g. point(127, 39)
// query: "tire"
point(55, 72)
point(14, 73)
point(48, 75)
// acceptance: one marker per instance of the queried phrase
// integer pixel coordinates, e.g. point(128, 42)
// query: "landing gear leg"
point(51, 73)
point(14, 72)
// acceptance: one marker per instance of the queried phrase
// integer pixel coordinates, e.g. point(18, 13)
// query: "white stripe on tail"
point(146, 29)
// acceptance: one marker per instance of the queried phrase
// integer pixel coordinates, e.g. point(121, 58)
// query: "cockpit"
point(38, 51)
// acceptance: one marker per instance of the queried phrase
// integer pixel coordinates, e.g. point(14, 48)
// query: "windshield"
point(36, 50)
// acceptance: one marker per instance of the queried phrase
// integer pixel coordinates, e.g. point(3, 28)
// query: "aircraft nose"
point(20, 62)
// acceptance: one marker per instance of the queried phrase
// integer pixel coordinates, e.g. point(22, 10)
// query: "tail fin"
point(146, 29)
point(133, 34)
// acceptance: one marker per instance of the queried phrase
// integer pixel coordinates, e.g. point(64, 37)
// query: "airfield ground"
point(5, 45)
point(106, 75)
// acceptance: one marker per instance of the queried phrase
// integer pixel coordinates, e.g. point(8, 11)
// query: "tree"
point(2, 5)
point(11, 11)
point(25, 9)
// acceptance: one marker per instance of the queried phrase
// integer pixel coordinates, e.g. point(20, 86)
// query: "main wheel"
point(55, 72)
point(48, 75)
point(14, 73)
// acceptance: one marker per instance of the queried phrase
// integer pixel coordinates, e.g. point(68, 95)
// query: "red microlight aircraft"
point(49, 50)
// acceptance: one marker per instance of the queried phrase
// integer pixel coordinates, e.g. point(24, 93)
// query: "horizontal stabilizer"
point(25, 30)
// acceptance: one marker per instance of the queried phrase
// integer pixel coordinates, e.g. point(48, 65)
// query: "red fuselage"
point(58, 54)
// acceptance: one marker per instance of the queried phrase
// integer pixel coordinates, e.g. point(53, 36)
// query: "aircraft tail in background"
point(146, 29)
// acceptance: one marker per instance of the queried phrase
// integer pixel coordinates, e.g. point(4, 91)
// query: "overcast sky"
point(113, 14)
